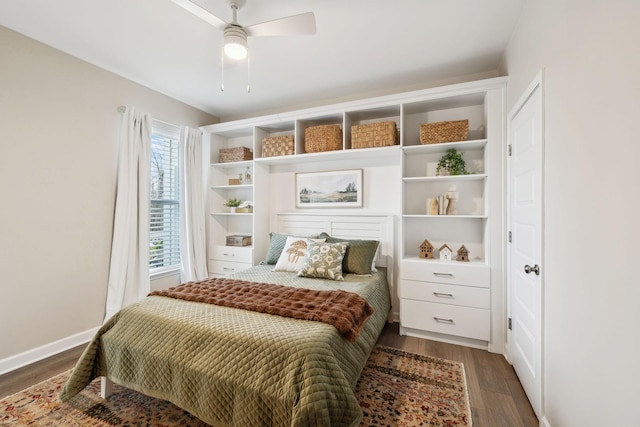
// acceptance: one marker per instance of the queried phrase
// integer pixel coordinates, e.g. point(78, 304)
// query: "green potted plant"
point(232, 204)
point(452, 163)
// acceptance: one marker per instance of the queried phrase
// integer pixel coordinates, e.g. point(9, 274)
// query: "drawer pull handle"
point(435, 273)
point(229, 268)
point(443, 295)
point(229, 254)
point(441, 320)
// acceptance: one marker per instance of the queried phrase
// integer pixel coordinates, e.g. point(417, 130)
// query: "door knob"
point(528, 269)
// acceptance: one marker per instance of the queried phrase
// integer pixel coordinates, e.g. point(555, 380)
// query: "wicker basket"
point(236, 154)
point(435, 133)
point(322, 138)
point(277, 146)
point(238, 240)
point(382, 134)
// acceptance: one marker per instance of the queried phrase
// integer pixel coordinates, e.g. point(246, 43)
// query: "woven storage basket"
point(236, 154)
point(277, 146)
point(382, 134)
point(435, 133)
point(322, 138)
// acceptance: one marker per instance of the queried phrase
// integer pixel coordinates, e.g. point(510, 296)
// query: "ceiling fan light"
point(235, 50)
point(235, 43)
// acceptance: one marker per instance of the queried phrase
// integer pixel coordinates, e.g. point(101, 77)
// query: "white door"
point(525, 250)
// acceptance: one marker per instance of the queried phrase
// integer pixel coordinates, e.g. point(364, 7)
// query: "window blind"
point(164, 227)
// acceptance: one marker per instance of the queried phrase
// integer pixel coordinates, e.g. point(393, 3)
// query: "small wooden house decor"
point(426, 250)
point(445, 252)
point(463, 254)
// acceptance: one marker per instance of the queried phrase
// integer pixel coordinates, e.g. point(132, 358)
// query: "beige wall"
point(58, 159)
point(592, 292)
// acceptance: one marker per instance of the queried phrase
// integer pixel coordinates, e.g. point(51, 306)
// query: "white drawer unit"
point(451, 272)
point(467, 296)
point(445, 301)
point(232, 253)
point(223, 268)
point(447, 319)
point(224, 260)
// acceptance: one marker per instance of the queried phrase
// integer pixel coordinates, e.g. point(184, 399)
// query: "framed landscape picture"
point(330, 189)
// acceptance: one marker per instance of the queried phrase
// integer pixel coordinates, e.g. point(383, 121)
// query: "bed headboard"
point(367, 227)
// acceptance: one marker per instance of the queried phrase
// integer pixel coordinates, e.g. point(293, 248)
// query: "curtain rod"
point(122, 109)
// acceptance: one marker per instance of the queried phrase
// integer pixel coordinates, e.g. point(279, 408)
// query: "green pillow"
point(324, 261)
point(276, 246)
point(359, 256)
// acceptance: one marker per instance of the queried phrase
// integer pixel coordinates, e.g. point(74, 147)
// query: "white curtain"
point(192, 210)
point(129, 269)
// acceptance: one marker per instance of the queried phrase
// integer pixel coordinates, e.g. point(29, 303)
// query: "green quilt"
point(232, 367)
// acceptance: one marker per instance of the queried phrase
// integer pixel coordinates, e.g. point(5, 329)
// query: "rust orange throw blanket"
point(346, 311)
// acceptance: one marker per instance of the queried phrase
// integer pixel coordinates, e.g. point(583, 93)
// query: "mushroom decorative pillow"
point(294, 254)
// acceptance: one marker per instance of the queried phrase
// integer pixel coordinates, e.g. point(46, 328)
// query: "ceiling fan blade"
point(201, 13)
point(303, 24)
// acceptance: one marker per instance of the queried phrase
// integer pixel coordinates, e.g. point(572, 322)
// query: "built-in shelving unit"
point(407, 172)
point(452, 300)
point(223, 260)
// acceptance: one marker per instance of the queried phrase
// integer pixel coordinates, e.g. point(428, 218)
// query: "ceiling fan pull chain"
point(248, 72)
point(221, 71)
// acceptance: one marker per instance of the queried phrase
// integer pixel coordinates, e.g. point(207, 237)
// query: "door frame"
point(537, 82)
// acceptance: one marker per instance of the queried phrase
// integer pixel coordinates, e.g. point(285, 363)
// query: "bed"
point(235, 367)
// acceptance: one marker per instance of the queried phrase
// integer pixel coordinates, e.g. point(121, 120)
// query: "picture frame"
point(329, 189)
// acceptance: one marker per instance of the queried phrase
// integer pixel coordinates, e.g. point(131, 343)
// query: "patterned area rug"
point(396, 389)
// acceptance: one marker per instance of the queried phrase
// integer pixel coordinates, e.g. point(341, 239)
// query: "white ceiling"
point(362, 47)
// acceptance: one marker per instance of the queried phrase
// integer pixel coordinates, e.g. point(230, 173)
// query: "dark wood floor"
point(497, 398)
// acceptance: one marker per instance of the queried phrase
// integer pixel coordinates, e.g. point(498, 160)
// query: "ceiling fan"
point(235, 35)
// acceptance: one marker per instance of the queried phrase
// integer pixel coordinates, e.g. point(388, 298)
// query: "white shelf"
point(231, 187)
point(328, 156)
point(447, 217)
point(232, 213)
point(475, 144)
point(447, 178)
point(233, 165)
point(470, 263)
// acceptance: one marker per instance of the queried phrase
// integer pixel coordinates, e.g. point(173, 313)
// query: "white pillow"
point(375, 257)
point(294, 254)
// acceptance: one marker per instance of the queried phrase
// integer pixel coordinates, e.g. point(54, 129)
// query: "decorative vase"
point(432, 206)
point(452, 196)
point(232, 209)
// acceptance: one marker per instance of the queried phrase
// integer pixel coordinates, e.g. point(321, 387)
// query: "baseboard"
point(28, 357)
point(544, 422)
point(449, 339)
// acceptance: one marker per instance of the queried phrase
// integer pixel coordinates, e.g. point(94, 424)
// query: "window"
point(164, 227)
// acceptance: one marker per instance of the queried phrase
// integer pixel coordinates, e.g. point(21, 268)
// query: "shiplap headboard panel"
point(367, 227)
